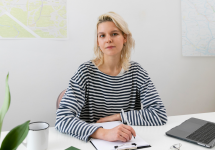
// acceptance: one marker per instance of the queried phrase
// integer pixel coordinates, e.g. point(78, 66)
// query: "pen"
point(125, 117)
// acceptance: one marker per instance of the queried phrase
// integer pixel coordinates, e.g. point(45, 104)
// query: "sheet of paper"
point(105, 145)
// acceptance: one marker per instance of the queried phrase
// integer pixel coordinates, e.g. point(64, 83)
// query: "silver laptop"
point(196, 131)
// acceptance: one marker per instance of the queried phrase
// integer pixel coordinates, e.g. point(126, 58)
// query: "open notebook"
point(105, 145)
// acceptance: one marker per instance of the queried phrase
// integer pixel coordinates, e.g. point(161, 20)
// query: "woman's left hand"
point(115, 117)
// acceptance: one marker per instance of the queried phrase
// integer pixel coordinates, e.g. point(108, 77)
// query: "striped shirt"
point(92, 95)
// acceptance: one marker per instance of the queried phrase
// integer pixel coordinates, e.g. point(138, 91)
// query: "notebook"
point(106, 145)
point(72, 148)
point(196, 131)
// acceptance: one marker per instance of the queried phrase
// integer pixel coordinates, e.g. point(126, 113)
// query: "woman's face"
point(110, 39)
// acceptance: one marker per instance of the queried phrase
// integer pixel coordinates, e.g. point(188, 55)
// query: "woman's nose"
point(109, 39)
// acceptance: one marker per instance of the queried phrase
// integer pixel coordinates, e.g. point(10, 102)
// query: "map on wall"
point(46, 19)
point(198, 27)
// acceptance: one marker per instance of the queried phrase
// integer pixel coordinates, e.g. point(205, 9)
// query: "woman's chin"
point(112, 54)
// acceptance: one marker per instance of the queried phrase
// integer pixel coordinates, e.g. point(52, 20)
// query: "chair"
point(59, 98)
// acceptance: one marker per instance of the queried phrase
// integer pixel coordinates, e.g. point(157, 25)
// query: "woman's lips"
point(110, 47)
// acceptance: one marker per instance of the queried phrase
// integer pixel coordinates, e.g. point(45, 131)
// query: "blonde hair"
point(127, 47)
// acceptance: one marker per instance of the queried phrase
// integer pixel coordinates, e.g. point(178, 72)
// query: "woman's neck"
point(111, 63)
point(111, 66)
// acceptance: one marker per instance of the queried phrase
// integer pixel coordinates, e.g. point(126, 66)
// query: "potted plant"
point(15, 137)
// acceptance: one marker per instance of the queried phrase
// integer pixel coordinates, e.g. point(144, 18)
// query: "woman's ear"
point(125, 38)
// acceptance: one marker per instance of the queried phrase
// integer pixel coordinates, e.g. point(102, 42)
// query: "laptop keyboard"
point(204, 134)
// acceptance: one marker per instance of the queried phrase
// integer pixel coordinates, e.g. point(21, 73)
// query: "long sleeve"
point(153, 112)
point(67, 120)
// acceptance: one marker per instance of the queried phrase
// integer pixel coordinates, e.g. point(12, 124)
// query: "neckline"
point(119, 75)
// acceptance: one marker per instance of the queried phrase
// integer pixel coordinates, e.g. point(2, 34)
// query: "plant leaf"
point(6, 103)
point(15, 137)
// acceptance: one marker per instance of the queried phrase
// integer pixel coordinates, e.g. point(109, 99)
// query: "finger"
point(121, 138)
point(105, 119)
point(125, 136)
point(126, 131)
point(133, 132)
point(130, 129)
point(99, 121)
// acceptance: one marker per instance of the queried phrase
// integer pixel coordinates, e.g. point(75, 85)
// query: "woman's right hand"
point(119, 133)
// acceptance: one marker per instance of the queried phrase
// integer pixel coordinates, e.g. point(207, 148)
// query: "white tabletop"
point(154, 135)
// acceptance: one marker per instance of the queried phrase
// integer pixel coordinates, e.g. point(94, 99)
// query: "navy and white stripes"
point(92, 95)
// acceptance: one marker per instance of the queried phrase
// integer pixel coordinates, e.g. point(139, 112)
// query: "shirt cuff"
point(88, 138)
point(123, 119)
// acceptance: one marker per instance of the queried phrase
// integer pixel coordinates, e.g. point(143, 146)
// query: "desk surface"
point(154, 135)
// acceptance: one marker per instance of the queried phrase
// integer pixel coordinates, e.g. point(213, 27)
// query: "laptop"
point(196, 131)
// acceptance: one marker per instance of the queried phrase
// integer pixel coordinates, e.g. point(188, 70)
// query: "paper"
point(106, 145)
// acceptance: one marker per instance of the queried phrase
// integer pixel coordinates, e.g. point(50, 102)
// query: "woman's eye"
point(114, 34)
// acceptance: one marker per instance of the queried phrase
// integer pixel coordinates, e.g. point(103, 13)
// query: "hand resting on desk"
point(119, 133)
point(115, 117)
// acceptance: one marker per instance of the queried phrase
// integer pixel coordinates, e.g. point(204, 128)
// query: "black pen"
point(125, 117)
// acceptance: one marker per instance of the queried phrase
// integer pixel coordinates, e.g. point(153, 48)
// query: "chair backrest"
point(59, 98)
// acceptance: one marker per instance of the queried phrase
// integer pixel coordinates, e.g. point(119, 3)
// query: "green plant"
point(15, 137)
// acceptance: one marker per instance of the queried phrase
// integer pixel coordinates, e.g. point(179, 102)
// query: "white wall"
point(41, 69)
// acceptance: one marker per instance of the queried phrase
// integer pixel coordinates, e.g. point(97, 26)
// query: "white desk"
point(154, 135)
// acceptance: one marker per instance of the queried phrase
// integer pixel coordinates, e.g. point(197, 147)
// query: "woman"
point(102, 87)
